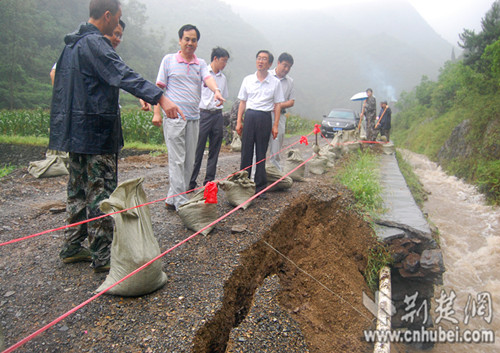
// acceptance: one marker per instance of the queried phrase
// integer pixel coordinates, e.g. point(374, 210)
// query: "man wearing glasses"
point(260, 95)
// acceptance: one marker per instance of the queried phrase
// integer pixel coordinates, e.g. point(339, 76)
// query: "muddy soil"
point(291, 282)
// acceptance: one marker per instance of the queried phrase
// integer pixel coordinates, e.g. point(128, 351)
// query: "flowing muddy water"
point(470, 240)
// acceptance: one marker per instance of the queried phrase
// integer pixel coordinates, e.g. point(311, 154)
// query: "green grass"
point(6, 170)
point(146, 146)
point(414, 184)
point(378, 257)
point(25, 140)
point(361, 175)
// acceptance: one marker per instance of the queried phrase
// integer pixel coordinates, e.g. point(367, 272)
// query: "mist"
point(337, 51)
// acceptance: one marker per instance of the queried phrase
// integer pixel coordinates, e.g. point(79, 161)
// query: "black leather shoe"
point(170, 207)
point(263, 196)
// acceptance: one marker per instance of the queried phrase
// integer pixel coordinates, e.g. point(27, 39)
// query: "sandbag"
point(349, 135)
point(238, 189)
point(236, 143)
point(196, 214)
point(293, 160)
point(388, 148)
point(274, 174)
point(329, 152)
point(352, 147)
point(318, 165)
point(337, 145)
point(54, 164)
point(133, 243)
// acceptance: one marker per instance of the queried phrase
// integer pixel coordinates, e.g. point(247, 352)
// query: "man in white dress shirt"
point(285, 63)
point(259, 95)
point(211, 120)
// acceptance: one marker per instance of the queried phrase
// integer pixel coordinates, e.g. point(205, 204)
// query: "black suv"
point(338, 120)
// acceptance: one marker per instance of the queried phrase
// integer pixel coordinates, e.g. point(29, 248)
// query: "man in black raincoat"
point(384, 120)
point(85, 121)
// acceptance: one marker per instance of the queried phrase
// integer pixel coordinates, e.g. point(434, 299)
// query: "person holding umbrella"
point(370, 112)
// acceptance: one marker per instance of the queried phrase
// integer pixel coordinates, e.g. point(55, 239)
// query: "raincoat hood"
point(85, 114)
point(84, 30)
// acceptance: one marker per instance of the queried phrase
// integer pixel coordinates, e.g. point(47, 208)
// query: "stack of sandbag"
point(238, 188)
point(293, 160)
point(349, 135)
point(318, 165)
point(352, 146)
point(196, 214)
point(133, 243)
point(54, 164)
point(274, 174)
point(236, 143)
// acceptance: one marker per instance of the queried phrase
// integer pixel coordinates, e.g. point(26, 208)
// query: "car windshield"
point(341, 114)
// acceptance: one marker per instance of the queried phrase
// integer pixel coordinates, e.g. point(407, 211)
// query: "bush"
point(296, 125)
point(488, 179)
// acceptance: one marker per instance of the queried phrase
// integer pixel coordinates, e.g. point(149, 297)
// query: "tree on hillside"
point(31, 41)
point(475, 44)
point(492, 57)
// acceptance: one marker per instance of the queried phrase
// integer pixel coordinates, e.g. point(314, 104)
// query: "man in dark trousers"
point(384, 120)
point(211, 120)
point(370, 112)
point(85, 121)
point(260, 94)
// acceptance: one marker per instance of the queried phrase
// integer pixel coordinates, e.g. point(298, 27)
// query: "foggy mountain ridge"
point(338, 51)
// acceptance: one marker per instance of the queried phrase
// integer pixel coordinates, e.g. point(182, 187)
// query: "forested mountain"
point(338, 52)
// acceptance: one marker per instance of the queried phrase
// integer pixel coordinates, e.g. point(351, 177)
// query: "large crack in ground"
point(329, 243)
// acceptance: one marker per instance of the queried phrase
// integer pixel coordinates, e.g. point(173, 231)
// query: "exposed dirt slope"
point(211, 280)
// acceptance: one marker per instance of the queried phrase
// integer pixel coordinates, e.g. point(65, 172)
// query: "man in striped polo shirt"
point(181, 75)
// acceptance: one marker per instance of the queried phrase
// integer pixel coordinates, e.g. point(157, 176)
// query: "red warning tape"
point(78, 307)
point(12, 241)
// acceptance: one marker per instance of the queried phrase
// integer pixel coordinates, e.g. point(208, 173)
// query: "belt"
point(210, 110)
point(260, 111)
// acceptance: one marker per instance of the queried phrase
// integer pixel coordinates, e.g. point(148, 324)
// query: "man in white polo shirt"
point(260, 94)
point(211, 120)
point(285, 62)
point(181, 75)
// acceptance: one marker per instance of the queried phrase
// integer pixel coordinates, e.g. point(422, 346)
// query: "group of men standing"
point(188, 98)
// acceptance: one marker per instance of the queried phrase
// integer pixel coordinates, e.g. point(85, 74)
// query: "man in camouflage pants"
point(85, 121)
point(370, 112)
point(92, 178)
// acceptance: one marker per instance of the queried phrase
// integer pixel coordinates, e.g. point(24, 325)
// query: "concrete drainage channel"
point(312, 232)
